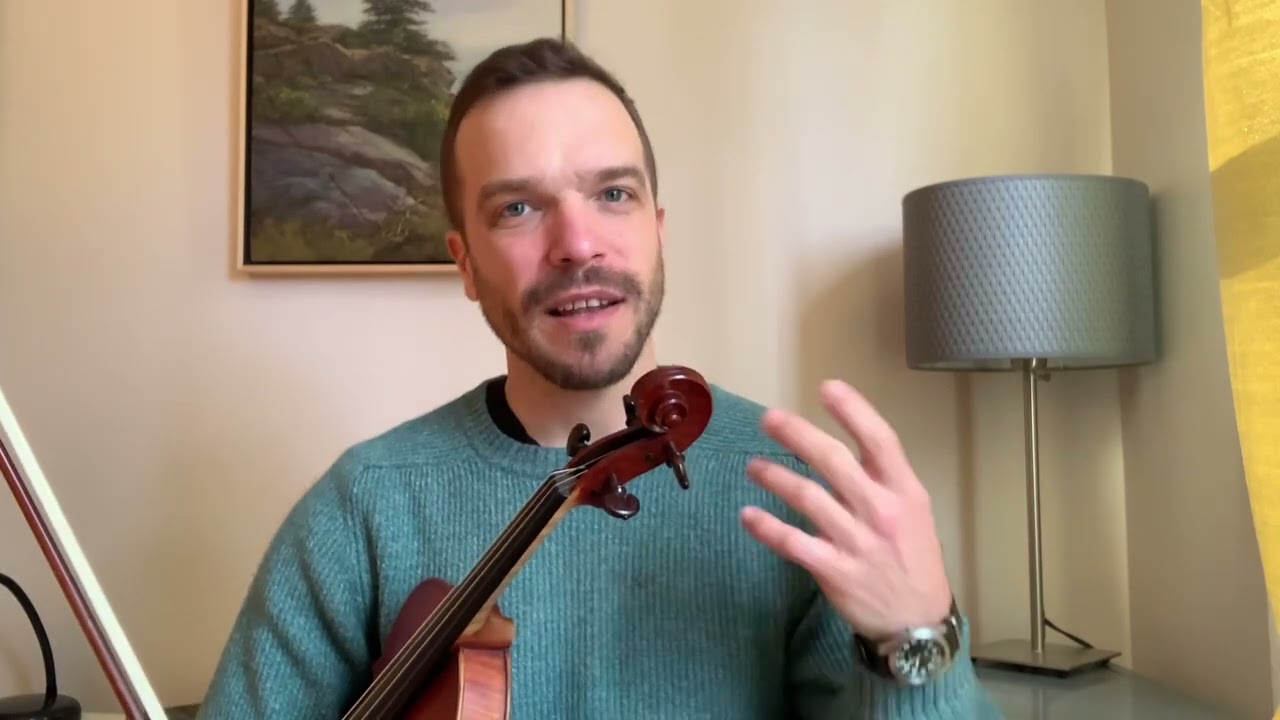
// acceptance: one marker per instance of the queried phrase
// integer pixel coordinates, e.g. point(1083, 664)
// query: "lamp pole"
point(1031, 421)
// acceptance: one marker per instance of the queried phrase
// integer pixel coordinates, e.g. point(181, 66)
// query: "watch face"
point(920, 659)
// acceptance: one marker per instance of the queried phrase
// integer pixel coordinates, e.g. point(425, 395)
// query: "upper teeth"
point(579, 305)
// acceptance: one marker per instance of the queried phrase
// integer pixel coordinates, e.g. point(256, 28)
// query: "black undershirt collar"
point(495, 399)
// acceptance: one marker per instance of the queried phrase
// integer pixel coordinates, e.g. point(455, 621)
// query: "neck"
point(549, 412)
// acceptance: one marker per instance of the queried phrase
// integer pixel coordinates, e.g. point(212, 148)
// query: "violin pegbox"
point(667, 409)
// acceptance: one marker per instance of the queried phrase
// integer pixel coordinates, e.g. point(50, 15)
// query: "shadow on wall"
point(851, 328)
point(1251, 229)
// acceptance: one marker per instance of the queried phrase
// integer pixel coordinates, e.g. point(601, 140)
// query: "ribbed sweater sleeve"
point(826, 684)
point(302, 642)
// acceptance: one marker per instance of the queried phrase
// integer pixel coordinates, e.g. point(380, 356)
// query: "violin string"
point(422, 637)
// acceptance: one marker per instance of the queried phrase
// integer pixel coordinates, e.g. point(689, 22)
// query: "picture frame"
point(342, 103)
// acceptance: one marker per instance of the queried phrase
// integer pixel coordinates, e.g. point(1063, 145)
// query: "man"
point(712, 602)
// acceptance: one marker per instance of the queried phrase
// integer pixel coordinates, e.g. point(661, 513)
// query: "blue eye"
point(615, 194)
point(513, 209)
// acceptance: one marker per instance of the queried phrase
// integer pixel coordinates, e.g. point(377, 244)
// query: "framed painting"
point(343, 103)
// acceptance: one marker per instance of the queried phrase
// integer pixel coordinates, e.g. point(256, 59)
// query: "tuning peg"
point(629, 405)
point(675, 461)
point(617, 500)
point(579, 439)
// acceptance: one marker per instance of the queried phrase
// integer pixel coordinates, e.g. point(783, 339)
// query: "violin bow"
point(72, 570)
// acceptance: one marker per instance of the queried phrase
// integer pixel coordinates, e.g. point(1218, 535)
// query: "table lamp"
point(1033, 274)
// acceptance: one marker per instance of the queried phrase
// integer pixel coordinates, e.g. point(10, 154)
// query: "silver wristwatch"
point(915, 656)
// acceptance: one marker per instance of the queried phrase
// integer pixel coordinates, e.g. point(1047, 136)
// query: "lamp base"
point(1059, 660)
point(35, 707)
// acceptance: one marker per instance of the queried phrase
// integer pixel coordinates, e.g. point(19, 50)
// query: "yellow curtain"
point(1241, 46)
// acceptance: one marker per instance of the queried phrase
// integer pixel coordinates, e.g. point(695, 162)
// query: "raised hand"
point(877, 556)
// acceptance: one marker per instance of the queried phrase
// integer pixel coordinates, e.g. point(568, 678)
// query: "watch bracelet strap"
point(869, 653)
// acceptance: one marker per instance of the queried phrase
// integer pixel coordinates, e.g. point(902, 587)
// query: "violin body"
point(473, 684)
point(448, 654)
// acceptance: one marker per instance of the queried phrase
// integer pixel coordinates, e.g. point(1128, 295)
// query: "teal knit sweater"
point(675, 613)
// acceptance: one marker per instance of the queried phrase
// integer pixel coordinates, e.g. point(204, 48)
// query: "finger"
point(830, 458)
point(831, 520)
point(822, 559)
point(882, 452)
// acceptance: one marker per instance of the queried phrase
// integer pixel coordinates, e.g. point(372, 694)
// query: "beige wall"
point(177, 428)
point(1199, 609)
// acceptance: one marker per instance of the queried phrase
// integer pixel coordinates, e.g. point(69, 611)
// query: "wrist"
point(916, 655)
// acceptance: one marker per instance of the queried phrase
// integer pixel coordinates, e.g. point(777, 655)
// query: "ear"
point(458, 251)
point(662, 226)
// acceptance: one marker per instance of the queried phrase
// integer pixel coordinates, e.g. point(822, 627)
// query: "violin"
point(448, 653)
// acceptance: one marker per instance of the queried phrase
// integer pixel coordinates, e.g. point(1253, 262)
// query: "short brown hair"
point(515, 65)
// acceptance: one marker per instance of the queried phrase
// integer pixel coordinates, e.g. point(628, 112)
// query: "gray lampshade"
point(1056, 267)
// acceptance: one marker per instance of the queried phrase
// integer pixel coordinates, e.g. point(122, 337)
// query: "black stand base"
point(1056, 660)
point(35, 707)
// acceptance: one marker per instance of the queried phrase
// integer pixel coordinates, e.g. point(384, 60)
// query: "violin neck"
point(510, 558)
point(466, 604)
point(463, 609)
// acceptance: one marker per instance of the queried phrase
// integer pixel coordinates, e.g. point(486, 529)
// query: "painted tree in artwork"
point(302, 12)
point(401, 24)
point(266, 9)
point(345, 147)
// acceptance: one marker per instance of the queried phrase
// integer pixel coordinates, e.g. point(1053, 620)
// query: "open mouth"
point(584, 306)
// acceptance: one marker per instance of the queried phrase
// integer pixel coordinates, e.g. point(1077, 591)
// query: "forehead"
point(547, 130)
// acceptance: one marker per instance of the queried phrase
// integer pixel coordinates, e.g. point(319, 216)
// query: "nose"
point(574, 239)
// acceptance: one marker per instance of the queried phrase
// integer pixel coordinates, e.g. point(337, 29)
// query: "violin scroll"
point(667, 409)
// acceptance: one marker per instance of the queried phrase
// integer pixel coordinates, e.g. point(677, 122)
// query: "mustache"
point(592, 276)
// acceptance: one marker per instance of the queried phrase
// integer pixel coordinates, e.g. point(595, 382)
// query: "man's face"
point(563, 237)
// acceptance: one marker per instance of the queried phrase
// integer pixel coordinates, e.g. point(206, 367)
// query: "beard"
point(588, 363)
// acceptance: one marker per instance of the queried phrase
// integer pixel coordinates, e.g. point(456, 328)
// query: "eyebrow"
point(611, 173)
point(614, 173)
